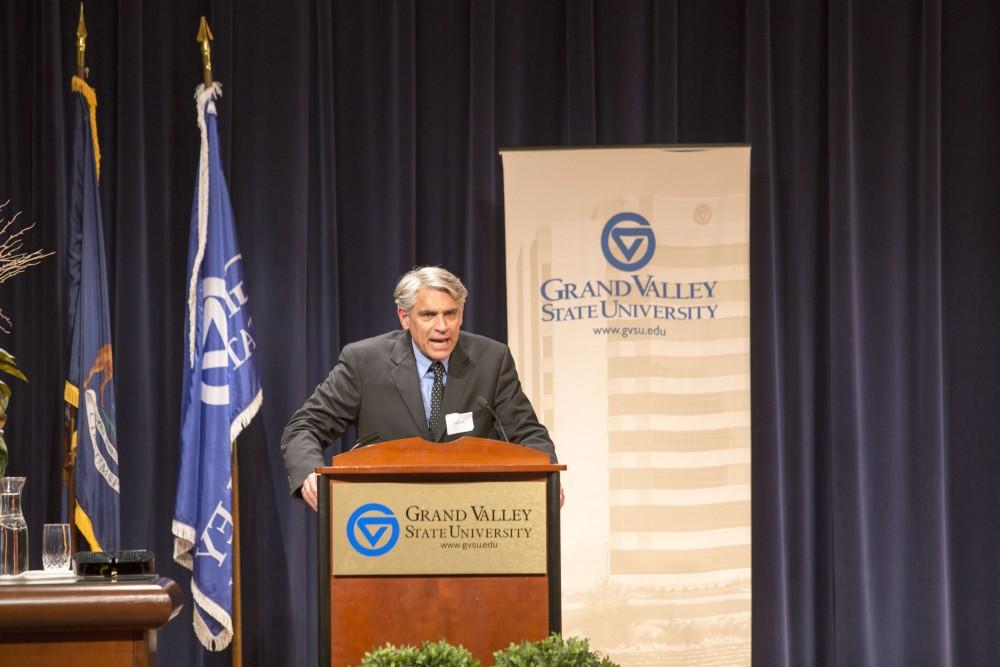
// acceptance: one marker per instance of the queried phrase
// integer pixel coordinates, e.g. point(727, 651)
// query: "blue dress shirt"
point(427, 378)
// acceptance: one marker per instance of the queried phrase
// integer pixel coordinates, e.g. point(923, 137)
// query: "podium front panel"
point(483, 614)
point(392, 528)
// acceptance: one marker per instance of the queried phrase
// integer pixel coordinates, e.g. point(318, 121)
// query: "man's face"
point(433, 322)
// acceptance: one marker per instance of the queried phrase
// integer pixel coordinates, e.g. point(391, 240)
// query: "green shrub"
point(553, 651)
point(431, 654)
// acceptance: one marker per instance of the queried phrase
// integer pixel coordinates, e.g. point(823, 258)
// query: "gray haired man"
point(428, 379)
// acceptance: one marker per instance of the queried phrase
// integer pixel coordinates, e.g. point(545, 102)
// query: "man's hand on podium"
point(309, 490)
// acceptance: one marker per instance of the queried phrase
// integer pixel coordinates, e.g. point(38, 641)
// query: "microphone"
point(483, 403)
point(365, 441)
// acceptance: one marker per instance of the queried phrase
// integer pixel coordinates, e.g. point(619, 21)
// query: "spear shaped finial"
point(203, 38)
point(81, 46)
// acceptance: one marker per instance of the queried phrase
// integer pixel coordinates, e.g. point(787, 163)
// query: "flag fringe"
point(86, 527)
point(202, 96)
point(71, 394)
point(183, 544)
point(244, 418)
point(210, 641)
point(78, 85)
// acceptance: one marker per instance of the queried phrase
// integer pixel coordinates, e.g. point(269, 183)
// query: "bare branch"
point(13, 259)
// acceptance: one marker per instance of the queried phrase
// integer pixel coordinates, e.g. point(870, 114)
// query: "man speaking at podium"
point(428, 379)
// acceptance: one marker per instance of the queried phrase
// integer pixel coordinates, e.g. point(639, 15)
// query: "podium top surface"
point(419, 456)
point(131, 603)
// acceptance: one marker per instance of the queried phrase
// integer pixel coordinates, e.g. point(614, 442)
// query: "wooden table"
point(85, 622)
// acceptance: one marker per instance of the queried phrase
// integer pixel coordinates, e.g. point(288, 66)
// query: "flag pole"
point(237, 579)
point(71, 394)
point(204, 38)
point(81, 46)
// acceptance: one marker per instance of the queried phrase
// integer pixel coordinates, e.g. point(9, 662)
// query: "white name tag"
point(458, 422)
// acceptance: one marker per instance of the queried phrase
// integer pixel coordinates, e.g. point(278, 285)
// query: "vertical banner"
point(90, 384)
point(628, 300)
point(221, 390)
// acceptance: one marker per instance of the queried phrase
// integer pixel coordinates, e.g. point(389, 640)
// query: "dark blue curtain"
point(360, 138)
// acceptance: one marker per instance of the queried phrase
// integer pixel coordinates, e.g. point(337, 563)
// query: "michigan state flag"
point(90, 383)
point(221, 390)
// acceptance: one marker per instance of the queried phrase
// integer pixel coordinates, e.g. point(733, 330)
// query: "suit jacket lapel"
point(404, 376)
point(460, 371)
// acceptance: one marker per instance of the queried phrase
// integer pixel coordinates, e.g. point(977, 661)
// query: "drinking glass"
point(56, 546)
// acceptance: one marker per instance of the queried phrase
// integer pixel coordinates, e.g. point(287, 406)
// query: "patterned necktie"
point(437, 396)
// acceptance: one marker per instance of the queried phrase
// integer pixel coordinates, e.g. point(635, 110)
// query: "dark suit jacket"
point(375, 386)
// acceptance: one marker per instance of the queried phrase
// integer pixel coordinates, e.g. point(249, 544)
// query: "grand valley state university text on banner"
point(628, 297)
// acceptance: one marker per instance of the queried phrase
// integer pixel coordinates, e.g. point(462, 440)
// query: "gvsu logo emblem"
point(373, 529)
point(628, 242)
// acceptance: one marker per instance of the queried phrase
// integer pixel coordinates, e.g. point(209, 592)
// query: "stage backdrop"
point(628, 313)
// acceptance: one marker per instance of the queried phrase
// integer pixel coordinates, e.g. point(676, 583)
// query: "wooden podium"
point(426, 541)
point(85, 622)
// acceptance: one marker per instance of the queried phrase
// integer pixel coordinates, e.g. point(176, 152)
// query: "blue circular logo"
point(373, 529)
point(623, 237)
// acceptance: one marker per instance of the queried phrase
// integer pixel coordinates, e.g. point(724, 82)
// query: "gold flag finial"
point(203, 38)
point(81, 46)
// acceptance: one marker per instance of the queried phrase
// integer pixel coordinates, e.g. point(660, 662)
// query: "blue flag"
point(90, 384)
point(221, 390)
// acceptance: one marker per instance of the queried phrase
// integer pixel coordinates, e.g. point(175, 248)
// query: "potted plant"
point(430, 654)
point(553, 651)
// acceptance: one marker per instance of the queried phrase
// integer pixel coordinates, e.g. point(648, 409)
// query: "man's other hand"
point(309, 490)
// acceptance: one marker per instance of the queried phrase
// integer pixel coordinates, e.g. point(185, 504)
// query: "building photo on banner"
point(628, 296)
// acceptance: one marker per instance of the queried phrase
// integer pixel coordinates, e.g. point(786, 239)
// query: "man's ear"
point(404, 318)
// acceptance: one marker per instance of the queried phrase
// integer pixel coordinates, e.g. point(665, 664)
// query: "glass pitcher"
point(13, 529)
